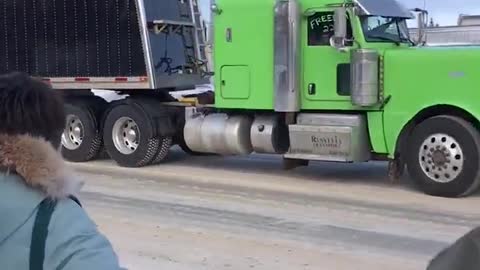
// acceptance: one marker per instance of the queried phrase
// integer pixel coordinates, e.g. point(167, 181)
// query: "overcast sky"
point(444, 12)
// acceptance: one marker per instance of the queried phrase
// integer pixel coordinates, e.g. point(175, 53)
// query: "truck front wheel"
point(129, 136)
point(443, 157)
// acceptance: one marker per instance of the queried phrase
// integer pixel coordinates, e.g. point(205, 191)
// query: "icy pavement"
point(195, 213)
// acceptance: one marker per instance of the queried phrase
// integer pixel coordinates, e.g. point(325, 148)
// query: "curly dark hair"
point(28, 106)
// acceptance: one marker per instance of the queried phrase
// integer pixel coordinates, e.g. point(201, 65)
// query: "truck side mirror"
point(422, 20)
point(422, 24)
point(340, 28)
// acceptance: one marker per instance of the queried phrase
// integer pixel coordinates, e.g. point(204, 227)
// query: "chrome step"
point(329, 137)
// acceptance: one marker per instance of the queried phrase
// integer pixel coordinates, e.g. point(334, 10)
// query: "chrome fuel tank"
point(219, 133)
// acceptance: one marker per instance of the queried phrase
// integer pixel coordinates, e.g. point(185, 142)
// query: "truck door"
point(326, 71)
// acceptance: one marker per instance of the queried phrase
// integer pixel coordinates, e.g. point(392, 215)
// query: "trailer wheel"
point(99, 105)
point(163, 150)
point(443, 157)
point(81, 139)
point(129, 136)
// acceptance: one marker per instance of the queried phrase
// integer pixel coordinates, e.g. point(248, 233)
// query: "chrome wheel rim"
point(126, 135)
point(73, 133)
point(441, 158)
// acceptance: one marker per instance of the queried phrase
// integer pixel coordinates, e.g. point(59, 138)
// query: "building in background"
point(468, 20)
point(466, 32)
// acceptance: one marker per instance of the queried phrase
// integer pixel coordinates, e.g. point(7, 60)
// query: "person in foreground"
point(464, 254)
point(42, 225)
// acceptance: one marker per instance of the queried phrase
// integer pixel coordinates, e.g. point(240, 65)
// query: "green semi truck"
point(342, 81)
point(323, 80)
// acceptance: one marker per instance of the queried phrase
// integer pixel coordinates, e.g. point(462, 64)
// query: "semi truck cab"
point(340, 81)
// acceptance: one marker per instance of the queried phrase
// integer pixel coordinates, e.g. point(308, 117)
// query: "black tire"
point(465, 180)
point(100, 106)
point(163, 150)
point(97, 103)
point(91, 142)
point(148, 143)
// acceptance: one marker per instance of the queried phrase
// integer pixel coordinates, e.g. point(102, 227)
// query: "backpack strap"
point(75, 199)
point(40, 231)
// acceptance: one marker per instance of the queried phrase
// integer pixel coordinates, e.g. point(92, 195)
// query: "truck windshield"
point(385, 29)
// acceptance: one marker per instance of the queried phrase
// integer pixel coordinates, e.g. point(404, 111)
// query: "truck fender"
point(425, 113)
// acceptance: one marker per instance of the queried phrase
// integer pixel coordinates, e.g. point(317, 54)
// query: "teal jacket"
point(33, 170)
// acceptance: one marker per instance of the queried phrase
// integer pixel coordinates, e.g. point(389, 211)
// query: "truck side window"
point(320, 28)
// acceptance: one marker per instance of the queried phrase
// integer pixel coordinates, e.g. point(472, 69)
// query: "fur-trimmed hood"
point(73, 239)
point(39, 164)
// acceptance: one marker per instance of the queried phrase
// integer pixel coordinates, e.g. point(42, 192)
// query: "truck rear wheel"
point(163, 150)
point(99, 106)
point(129, 136)
point(81, 139)
point(443, 157)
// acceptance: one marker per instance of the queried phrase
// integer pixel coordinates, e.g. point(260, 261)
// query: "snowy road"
point(211, 213)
